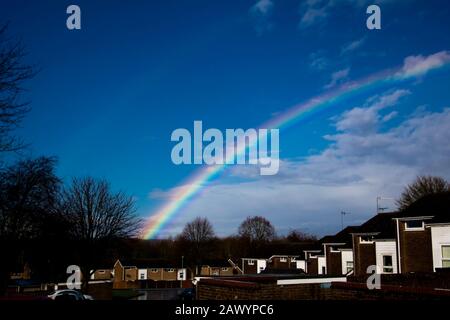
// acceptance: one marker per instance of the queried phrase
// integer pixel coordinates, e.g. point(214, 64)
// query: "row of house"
point(413, 240)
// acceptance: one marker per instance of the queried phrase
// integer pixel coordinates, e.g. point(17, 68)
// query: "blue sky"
point(108, 96)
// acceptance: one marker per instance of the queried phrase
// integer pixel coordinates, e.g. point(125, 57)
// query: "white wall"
point(300, 264)
point(260, 265)
point(142, 272)
point(321, 262)
point(346, 255)
point(181, 274)
point(440, 235)
point(386, 248)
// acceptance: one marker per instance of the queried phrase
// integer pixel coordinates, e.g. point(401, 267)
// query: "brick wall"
point(364, 256)
point(415, 249)
point(208, 290)
point(334, 262)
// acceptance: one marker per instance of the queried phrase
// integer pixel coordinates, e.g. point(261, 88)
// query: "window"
point(251, 262)
point(101, 271)
point(387, 264)
point(283, 260)
point(224, 269)
point(366, 239)
point(142, 276)
point(154, 270)
point(414, 225)
point(170, 270)
point(349, 266)
point(446, 256)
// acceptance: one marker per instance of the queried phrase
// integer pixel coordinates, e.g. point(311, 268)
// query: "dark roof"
point(214, 263)
point(436, 205)
point(382, 224)
point(343, 236)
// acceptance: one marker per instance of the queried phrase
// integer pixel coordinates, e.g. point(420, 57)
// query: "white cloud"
point(260, 13)
point(352, 45)
point(420, 65)
point(364, 120)
point(318, 61)
point(336, 77)
point(262, 7)
point(315, 11)
point(309, 193)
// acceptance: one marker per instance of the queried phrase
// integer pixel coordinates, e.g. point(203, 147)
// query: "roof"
point(382, 224)
point(436, 205)
point(342, 237)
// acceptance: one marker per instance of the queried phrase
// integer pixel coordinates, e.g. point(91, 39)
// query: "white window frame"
point(365, 241)
point(283, 259)
point(224, 269)
point(391, 267)
point(414, 228)
point(442, 254)
point(251, 262)
point(347, 269)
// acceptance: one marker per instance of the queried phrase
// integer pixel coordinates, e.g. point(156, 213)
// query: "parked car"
point(187, 294)
point(69, 295)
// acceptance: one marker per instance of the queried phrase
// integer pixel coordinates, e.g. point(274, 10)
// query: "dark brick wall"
point(299, 292)
point(364, 256)
point(312, 266)
point(415, 249)
point(250, 269)
point(334, 262)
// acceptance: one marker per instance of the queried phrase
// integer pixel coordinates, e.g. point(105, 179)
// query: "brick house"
point(338, 252)
point(154, 270)
point(219, 268)
point(253, 265)
point(423, 234)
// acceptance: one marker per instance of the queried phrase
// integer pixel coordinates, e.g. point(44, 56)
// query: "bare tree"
point(196, 240)
point(97, 216)
point(422, 186)
point(257, 228)
point(28, 196)
point(299, 236)
point(13, 72)
point(197, 231)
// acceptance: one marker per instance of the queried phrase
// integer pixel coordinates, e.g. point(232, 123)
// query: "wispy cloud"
point(337, 77)
point(318, 61)
point(352, 45)
point(420, 65)
point(260, 13)
point(315, 11)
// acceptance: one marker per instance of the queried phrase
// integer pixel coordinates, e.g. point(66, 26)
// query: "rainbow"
point(197, 181)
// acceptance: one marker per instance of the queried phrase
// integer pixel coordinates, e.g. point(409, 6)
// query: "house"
point(253, 265)
point(102, 274)
point(413, 240)
point(312, 262)
point(338, 252)
point(423, 234)
point(374, 243)
point(284, 262)
point(219, 268)
point(154, 270)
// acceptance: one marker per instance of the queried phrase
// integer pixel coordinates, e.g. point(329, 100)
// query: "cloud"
point(352, 45)
point(336, 77)
point(260, 13)
point(315, 11)
point(349, 174)
point(262, 7)
point(420, 65)
point(318, 61)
